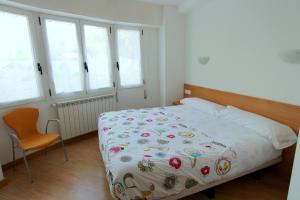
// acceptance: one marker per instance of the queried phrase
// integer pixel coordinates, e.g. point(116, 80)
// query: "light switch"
point(188, 92)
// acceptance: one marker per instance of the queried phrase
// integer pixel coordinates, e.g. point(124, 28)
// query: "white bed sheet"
point(253, 149)
point(158, 152)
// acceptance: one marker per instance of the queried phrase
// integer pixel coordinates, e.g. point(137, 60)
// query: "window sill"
point(131, 87)
point(79, 96)
point(21, 102)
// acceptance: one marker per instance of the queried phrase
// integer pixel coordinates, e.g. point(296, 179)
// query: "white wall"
point(245, 40)
point(173, 48)
point(128, 11)
point(294, 193)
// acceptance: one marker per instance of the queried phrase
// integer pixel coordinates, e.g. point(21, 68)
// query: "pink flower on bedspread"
point(171, 136)
point(130, 119)
point(205, 170)
point(105, 129)
point(145, 134)
point(115, 149)
point(175, 162)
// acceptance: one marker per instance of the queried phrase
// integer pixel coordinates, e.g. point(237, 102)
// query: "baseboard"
point(54, 146)
point(3, 183)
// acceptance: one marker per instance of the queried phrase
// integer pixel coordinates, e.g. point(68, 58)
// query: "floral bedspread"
point(154, 153)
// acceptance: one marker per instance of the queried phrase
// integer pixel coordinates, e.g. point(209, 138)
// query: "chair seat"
point(38, 141)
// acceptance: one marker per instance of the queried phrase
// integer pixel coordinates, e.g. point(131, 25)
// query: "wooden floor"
point(83, 178)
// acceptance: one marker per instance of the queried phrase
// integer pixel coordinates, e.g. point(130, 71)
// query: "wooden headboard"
point(284, 113)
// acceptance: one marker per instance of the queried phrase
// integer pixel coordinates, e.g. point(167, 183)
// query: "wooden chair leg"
point(27, 167)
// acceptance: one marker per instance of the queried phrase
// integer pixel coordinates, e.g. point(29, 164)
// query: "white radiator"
point(81, 116)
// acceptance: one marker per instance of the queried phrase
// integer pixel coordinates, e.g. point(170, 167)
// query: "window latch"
point(86, 68)
point(40, 69)
point(118, 66)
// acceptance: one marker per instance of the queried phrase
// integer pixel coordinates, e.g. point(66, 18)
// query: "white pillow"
point(281, 135)
point(203, 105)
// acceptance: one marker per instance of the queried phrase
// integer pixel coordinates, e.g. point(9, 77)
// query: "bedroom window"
point(79, 55)
point(129, 57)
point(19, 75)
point(98, 63)
point(64, 56)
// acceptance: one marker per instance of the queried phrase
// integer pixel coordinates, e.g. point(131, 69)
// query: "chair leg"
point(14, 154)
point(64, 148)
point(27, 167)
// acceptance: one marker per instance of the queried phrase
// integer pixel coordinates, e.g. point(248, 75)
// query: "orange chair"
point(23, 121)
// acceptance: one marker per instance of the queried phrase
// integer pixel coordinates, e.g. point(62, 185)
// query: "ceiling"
point(165, 2)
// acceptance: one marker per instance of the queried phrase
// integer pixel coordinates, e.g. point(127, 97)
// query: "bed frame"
point(200, 187)
point(284, 113)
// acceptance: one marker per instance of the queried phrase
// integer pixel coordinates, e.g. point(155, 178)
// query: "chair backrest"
point(23, 121)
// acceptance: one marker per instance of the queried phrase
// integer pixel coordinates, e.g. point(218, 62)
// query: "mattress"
point(160, 152)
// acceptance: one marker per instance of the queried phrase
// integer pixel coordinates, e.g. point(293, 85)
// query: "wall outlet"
point(188, 92)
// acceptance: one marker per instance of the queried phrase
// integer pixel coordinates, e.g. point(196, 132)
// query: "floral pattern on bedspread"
point(153, 153)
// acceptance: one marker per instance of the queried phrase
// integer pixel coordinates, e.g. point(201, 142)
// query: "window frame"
point(41, 54)
point(108, 27)
point(35, 47)
point(69, 95)
point(140, 29)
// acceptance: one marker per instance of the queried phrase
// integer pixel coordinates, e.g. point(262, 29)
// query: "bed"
point(171, 152)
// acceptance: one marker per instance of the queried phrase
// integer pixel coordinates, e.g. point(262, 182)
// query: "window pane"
point(98, 57)
point(129, 52)
point(18, 77)
point(65, 57)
